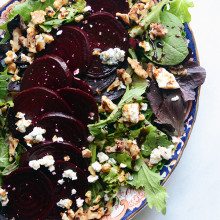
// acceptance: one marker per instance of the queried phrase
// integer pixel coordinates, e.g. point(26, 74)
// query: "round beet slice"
point(64, 190)
point(82, 85)
point(61, 125)
point(30, 194)
point(58, 150)
point(72, 46)
point(82, 104)
point(111, 6)
point(104, 32)
point(49, 71)
point(39, 100)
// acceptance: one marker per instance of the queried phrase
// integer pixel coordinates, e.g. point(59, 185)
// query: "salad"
point(93, 97)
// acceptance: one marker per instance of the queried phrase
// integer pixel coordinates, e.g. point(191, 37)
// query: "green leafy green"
point(150, 182)
point(122, 158)
point(174, 45)
point(180, 8)
point(4, 79)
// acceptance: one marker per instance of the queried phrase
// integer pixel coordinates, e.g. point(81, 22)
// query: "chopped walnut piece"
point(79, 18)
point(49, 11)
point(150, 69)
point(179, 71)
point(13, 143)
point(126, 77)
point(109, 207)
point(106, 167)
point(122, 177)
point(15, 43)
point(86, 153)
point(10, 57)
point(137, 10)
point(91, 171)
point(88, 196)
point(31, 41)
point(107, 105)
point(157, 30)
point(138, 69)
point(123, 17)
point(26, 58)
point(23, 41)
point(60, 3)
point(96, 52)
point(12, 68)
point(38, 17)
point(80, 215)
point(42, 40)
point(63, 13)
point(145, 45)
point(114, 85)
point(66, 158)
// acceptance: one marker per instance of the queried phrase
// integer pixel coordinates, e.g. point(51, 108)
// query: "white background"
point(194, 187)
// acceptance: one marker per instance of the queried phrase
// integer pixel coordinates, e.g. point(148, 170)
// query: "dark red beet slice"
point(82, 104)
point(57, 150)
point(64, 191)
point(61, 125)
point(30, 194)
point(104, 32)
point(82, 85)
point(72, 46)
point(37, 101)
point(111, 6)
point(49, 71)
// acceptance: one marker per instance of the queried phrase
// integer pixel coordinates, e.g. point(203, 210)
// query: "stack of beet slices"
point(54, 99)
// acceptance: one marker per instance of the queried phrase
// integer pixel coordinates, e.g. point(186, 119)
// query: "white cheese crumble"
point(57, 139)
point(102, 157)
point(161, 153)
point(112, 56)
point(34, 137)
point(112, 161)
point(87, 8)
point(122, 165)
point(165, 80)
point(65, 203)
point(69, 174)
point(3, 197)
point(90, 138)
point(130, 112)
point(144, 106)
point(47, 161)
point(73, 192)
point(175, 98)
point(61, 181)
point(79, 202)
point(96, 166)
point(92, 179)
point(22, 124)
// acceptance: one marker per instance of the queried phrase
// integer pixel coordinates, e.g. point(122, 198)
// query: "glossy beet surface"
point(63, 191)
point(82, 104)
point(71, 44)
point(82, 85)
point(37, 101)
point(111, 6)
point(104, 32)
point(49, 71)
point(30, 194)
point(57, 150)
point(61, 125)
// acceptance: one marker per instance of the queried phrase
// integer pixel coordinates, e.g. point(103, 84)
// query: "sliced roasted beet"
point(104, 32)
point(30, 194)
point(98, 85)
point(61, 125)
point(72, 46)
point(37, 101)
point(82, 104)
point(49, 71)
point(63, 191)
point(57, 150)
point(82, 85)
point(111, 6)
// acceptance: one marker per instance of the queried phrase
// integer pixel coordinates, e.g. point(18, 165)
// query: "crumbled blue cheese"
point(96, 166)
point(112, 56)
point(165, 80)
point(79, 202)
point(65, 203)
point(3, 197)
point(130, 112)
point(57, 139)
point(161, 153)
point(102, 157)
point(47, 161)
point(69, 174)
point(34, 137)
point(92, 179)
point(22, 124)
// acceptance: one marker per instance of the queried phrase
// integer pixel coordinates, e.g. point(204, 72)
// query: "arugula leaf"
point(153, 16)
point(4, 79)
point(180, 8)
point(174, 45)
point(150, 182)
point(122, 158)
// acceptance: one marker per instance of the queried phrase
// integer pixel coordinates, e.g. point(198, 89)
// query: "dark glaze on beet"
point(61, 125)
point(49, 71)
point(30, 194)
point(38, 101)
point(82, 104)
point(77, 83)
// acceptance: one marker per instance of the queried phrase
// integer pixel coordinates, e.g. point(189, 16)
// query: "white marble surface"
point(194, 187)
